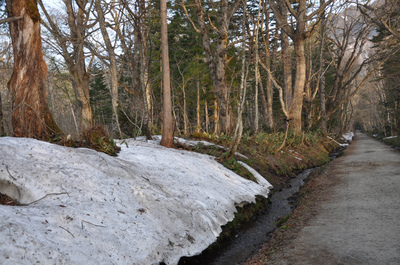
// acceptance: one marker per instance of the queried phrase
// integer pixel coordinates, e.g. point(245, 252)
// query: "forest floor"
point(346, 214)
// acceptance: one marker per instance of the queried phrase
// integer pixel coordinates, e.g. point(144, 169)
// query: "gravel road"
point(355, 216)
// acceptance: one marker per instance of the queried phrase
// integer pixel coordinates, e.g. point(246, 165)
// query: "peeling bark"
point(31, 116)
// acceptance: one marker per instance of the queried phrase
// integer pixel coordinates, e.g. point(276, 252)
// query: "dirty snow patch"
point(148, 205)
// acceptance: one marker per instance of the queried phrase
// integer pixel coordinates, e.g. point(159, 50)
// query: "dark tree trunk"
point(31, 115)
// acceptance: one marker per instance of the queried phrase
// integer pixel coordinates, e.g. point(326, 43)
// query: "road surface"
point(355, 219)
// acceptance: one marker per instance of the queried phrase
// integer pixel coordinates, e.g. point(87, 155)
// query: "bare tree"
point(31, 115)
point(113, 63)
point(384, 14)
point(138, 15)
point(242, 97)
point(267, 103)
point(298, 30)
point(70, 44)
point(322, 37)
point(349, 35)
point(216, 59)
point(167, 139)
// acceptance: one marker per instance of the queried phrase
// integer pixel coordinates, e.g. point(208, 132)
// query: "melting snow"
point(148, 205)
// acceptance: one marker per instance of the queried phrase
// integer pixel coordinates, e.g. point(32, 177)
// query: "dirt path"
point(349, 214)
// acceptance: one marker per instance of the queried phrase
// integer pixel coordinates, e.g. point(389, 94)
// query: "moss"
point(98, 139)
point(32, 10)
point(393, 141)
point(233, 165)
point(282, 220)
point(243, 215)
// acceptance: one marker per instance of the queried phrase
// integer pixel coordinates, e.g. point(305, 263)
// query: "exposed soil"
point(6, 200)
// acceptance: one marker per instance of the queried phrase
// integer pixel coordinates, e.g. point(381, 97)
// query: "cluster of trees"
point(235, 65)
point(384, 92)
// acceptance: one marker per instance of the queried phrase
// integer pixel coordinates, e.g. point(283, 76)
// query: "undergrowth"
point(95, 138)
point(302, 151)
point(394, 141)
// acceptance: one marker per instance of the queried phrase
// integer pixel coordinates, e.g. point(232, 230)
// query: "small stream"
point(251, 236)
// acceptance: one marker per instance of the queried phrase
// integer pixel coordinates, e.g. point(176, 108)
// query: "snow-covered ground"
point(150, 204)
point(348, 137)
point(390, 137)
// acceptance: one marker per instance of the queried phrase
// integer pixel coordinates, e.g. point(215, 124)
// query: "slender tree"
point(167, 139)
point(112, 65)
point(237, 135)
point(322, 36)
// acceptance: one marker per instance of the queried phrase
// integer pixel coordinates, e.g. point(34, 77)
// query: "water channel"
point(252, 235)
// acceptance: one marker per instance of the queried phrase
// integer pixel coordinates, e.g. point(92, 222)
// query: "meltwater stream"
point(253, 235)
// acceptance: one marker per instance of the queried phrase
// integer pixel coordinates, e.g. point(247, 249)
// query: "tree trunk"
point(198, 127)
point(324, 127)
point(237, 136)
point(269, 104)
point(75, 60)
point(185, 113)
point(141, 57)
point(113, 65)
point(2, 131)
point(308, 95)
point(287, 61)
point(80, 83)
point(217, 59)
point(206, 114)
point(216, 118)
point(167, 139)
point(31, 115)
point(256, 114)
point(221, 86)
point(297, 101)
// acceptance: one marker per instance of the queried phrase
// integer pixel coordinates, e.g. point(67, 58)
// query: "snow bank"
point(148, 205)
point(348, 136)
point(390, 137)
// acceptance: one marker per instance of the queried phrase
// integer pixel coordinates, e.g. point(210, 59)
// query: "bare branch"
point(50, 194)
point(10, 19)
point(280, 89)
point(188, 17)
